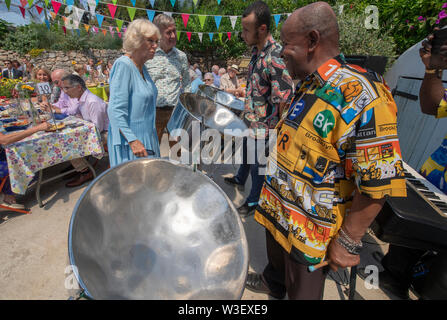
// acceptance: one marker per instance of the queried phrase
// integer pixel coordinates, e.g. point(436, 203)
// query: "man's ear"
point(262, 29)
point(313, 38)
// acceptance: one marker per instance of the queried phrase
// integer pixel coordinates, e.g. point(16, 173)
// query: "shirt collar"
point(270, 41)
point(83, 97)
point(170, 53)
point(326, 70)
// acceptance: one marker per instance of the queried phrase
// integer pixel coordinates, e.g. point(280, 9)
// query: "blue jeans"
point(246, 169)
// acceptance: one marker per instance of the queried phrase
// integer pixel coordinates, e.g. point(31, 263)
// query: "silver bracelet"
point(346, 242)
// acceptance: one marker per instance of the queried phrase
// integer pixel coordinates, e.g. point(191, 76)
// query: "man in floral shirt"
point(269, 85)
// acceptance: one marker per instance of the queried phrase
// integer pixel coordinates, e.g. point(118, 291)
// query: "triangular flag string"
point(211, 35)
point(56, 6)
point(188, 34)
point(8, 4)
point(185, 18)
point(112, 9)
point(100, 19)
point(131, 12)
point(150, 15)
point(217, 19)
point(200, 34)
point(39, 9)
point(277, 17)
point(22, 10)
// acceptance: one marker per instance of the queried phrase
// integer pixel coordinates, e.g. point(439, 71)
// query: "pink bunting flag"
point(185, 18)
point(119, 34)
point(112, 9)
point(23, 3)
point(56, 6)
point(111, 30)
point(188, 34)
point(39, 9)
point(65, 30)
point(95, 29)
point(22, 10)
point(229, 35)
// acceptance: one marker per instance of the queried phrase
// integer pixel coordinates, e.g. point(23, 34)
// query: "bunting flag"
point(131, 12)
point(211, 35)
point(95, 29)
point(104, 32)
point(119, 34)
point(8, 3)
point(100, 19)
point(78, 13)
point(23, 3)
point(150, 15)
point(87, 27)
point(152, 3)
point(92, 4)
point(202, 20)
point(195, 2)
point(172, 3)
point(218, 2)
point(111, 30)
point(47, 3)
point(185, 18)
point(178, 35)
point(229, 35)
point(119, 23)
point(233, 20)
point(47, 23)
point(277, 17)
point(114, 1)
point(56, 6)
point(53, 15)
point(217, 19)
point(85, 5)
point(134, 2)
point(220, 37)
point(65, 30)
point(188, 34)
point(22, 10)
point(112, 9)
point(30, 3)
point(69, 2)
point(39, 9)
point(200, 34)
point(168, 13)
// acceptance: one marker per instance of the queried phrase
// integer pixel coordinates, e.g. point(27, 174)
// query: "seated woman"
point(9, 199)
point(42, 74)
point(133, 94)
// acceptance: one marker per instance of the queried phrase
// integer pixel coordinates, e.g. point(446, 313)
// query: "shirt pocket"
point(315, 165)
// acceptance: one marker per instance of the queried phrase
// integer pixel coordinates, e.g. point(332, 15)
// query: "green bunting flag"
point(119, 23)
point(8, 3)
point(30, 2)
point(202, 20)
point(220, 37)
point(131, 12)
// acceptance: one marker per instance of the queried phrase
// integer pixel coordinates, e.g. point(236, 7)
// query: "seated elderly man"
point(60, 101)
point(91, 108)
point(209, 79)
point(229, 82)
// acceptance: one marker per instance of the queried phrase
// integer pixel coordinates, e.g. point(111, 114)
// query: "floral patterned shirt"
point(268, 84)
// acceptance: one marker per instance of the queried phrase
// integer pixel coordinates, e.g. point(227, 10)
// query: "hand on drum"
point(138, 148)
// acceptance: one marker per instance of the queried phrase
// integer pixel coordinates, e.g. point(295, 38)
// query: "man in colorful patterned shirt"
point(169, 69)
point(337, 157)
point(268, 86)
point(399, 262)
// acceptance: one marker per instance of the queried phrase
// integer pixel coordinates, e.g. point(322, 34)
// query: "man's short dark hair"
point(262, 13)
point(74, 80)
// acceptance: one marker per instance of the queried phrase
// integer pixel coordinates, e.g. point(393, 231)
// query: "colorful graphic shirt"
point(268, 84)
point(339, 134)
point(435, 168)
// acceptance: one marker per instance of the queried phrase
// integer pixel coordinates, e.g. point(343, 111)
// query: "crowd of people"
point(320, 160)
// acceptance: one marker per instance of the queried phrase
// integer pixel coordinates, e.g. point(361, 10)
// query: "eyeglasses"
point(153, 42)
point(66, 88)
point(208, 79)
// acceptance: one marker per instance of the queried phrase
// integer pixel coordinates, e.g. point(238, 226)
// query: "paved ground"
point(33, 248)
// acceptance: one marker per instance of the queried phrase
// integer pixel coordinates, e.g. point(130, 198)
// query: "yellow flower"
point(73, 62)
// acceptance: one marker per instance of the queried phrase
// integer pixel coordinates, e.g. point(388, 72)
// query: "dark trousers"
point(245, 169)
point(282, 274)
point(161, 120)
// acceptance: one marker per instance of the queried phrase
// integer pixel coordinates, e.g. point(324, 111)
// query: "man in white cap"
point(229, 82)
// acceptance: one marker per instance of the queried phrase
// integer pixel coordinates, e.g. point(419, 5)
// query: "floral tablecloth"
point(45, 149)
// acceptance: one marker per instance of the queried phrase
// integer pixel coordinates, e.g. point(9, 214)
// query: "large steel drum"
point(193, 107)
point(223, 98)
point(152, 229)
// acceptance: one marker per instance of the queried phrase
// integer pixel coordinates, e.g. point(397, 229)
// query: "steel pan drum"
point(223, 98)
point(152, 229)
point(193, 107)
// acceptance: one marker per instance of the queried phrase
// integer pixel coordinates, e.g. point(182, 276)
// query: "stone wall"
point(60, 59)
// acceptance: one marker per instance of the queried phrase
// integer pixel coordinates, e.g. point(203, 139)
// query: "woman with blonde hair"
point(133, 97)
point(42, 74)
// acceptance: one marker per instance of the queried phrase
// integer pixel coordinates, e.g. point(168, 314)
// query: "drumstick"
point(318, 266)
